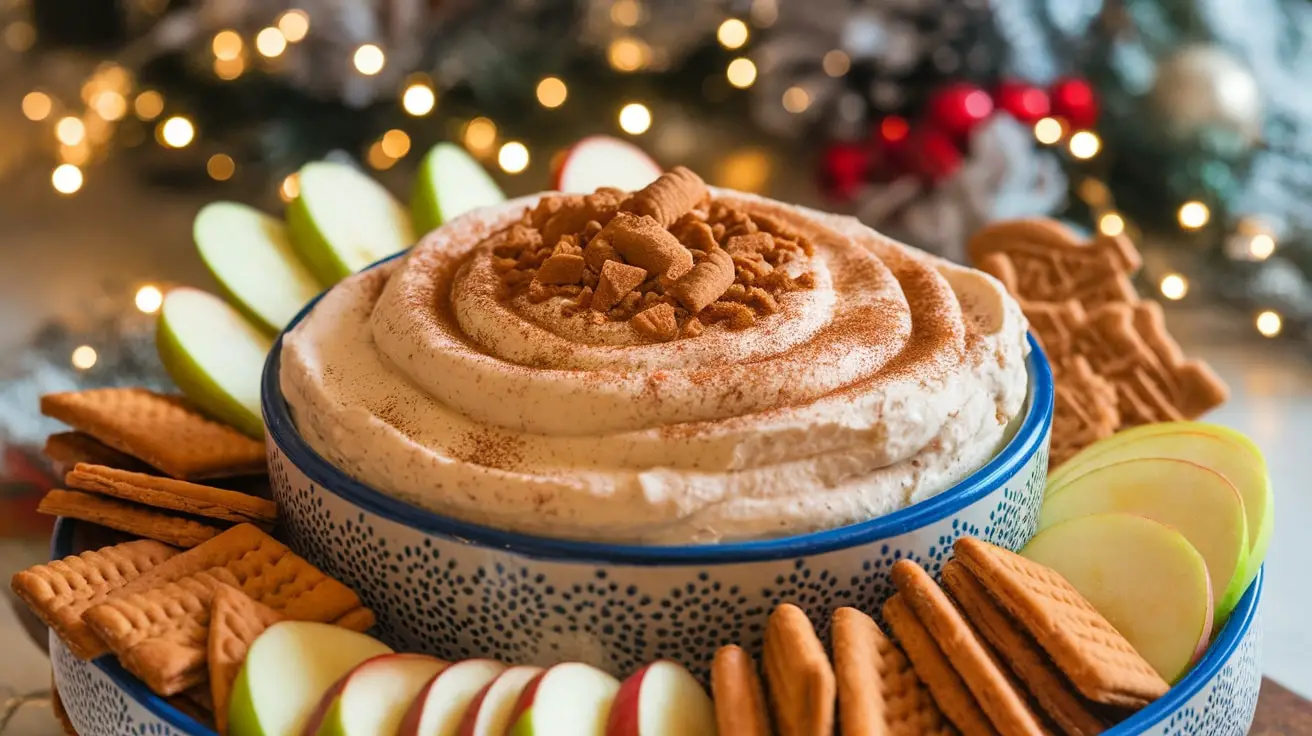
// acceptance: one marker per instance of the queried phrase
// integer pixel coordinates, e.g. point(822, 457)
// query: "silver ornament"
point(1203, 90)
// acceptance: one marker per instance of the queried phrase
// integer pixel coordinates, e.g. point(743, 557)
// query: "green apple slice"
point(1142, 576)
point(214, 355)
point(343, 221)
point(288, 670)
point(1197, 501)
point(252, 258)
point(450, 183)
point(1222, 449)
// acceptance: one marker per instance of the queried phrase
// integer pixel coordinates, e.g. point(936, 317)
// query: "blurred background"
point(1184, 123)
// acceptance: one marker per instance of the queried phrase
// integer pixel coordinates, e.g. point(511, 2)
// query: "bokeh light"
point(369, 59)
point(149, 299)
point(552, 92)
point(635, 118)
point(513, 157)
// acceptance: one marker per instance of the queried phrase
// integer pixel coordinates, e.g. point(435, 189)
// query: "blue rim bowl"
point(1220, 652)
point(1006, 464)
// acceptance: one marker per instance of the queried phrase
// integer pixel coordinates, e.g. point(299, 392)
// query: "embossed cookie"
point(1043, 261)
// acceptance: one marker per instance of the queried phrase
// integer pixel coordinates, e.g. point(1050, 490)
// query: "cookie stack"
point(1005, 646)
point(1114, 363)
point(178, 604)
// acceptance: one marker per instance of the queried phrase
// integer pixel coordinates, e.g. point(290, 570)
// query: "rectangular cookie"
point(739, 699)
point(799, 675)
point(66, 449)
point(173, 495)
point(166, 432)
point(60, 591)
point(141, 521)
point(235, 622)
point(878, 691)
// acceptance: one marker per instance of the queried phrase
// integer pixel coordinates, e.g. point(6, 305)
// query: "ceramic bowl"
point(1218, 697)
point(456, 589)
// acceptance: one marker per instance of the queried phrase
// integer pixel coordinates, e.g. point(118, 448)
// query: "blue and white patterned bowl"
point(1218, 697)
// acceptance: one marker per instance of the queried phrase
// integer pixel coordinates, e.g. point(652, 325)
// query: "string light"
point(836, 63)
point(1048, 131)
point(1084, 145)
point(176, 132)
point(37, 106)
point(230, 69)
point(627, 13)
point(148, 105)
point(1269, 323)
point(294, 24)
point(110, 105)
point(70, 131)
point(796, 100)
point(418, 99)
point(513, 157)
point(378, 158)
point(270, 42)
point(1111, 224)
point(84, 357)
point(1174, 287)
point(369, 59)
point(746, 170)
point(552, 92)
point(395, 143)
point(221, 167)
point(1193, 215)
point(635, 118)
point(1261, 247)
point(480, 135)
point(732, 33)
point(290, 188)
point(227, 45)
point(66, 179)
point(149, 299)
point(20, 36)
point(627, 54)
point(741, 73)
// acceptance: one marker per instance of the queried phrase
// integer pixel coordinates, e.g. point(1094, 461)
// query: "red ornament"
point(1025, 102)
point(844, 169)
point(1074, 100)
point(957, 108)
point(933, 155)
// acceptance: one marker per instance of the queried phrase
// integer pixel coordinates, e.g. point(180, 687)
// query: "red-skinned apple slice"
point(373, 697)
point(603, 161)
point(439, 706)
point(1143, 576)
point(661, 699)
point(489, 712)
point(570, 699)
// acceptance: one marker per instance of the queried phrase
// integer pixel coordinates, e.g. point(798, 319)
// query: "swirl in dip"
point(668, 367)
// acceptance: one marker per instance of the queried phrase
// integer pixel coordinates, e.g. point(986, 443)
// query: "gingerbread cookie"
point(1043, 261)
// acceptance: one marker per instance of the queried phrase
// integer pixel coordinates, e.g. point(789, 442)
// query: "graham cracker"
point(1027, 661)
point(799, 675)
point(1043, 261)
point(1000, 700)
point(950, 693)
point(878, 692)
point(235, 622)
point(358, 619)
point(132, 518)
point(66, 449)
point(736, 691)
point(174, 495)
point(164, 431)
point(58, 592)
point(159, 623)
point(1087, 649)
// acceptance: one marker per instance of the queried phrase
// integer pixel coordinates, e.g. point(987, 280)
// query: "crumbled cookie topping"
point(668, 259)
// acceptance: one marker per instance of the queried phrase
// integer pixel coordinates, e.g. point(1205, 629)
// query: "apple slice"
point(661, 699)
point(1222, 449)
point(1143, 576)
point(252, 259)
point(438, 707)
point(603, 161)
point(489, 712)
point(450, 183)
point(373, 697)
point(214, 355)
point(343, 221)
point(287, 671)
point(570, 699)
point(1197, 501)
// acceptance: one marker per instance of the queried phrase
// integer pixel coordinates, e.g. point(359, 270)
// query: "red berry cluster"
point(933, 147)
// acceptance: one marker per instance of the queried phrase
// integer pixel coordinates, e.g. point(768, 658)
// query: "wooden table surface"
point(1281, 712)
